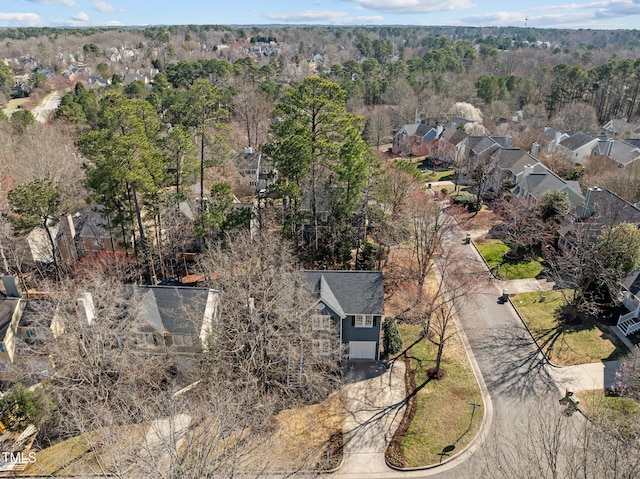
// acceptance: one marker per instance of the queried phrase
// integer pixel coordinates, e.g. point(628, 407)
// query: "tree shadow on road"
point(517, 367)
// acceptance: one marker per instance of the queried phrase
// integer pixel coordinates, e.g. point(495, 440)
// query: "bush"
point(468, 200)
point(392, 341)
point(22, 407)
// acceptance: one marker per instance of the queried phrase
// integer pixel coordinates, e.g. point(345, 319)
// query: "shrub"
point(392, 342)
point(468, 200)
point(22, 407)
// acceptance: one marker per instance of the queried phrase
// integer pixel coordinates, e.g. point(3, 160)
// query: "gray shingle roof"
point(357, 292)
point(578, 140)
point(621, 151)
point(177, 309)
point(421, 130)
point(7, 307)
point(513, 159)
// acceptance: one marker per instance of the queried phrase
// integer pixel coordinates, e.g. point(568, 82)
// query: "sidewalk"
point(585, 376)
point(526, 285)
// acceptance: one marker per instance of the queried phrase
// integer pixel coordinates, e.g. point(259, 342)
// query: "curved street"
point(520, 386)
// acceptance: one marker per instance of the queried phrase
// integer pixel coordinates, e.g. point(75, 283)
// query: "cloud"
point(320, 16)
point(568, 15)
point(66, 3)
point(324, 17)
point(519, 19)
point(80, 17)
point(103, 7)
point(414, 6)
point(21, 19)
point(606, 8)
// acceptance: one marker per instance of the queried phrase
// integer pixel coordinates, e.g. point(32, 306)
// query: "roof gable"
point(354, 292)
point(578, 140)
point(176, 309)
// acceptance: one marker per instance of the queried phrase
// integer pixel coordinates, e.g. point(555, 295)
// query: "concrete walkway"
point(582, 377)
point(160, 448)
point(374, 410)
point(526, 285)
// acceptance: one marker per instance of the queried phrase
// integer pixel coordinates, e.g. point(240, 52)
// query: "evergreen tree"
point(391, 341)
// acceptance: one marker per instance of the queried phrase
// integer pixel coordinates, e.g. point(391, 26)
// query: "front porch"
point(629, 323)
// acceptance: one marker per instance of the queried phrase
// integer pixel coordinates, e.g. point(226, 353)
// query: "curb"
point(485, 261)
point(545, 358)
point(487, 416)
point(485, 424)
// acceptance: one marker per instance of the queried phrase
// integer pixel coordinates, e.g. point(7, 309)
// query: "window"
point(321, 347)
point(363, 321)
point(4, 366)
point(145, 340)
point(182, 341)
point(1, 348)
point(321, 322)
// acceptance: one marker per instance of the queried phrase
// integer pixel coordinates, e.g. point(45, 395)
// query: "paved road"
point(510, 364)
point(519, 385)
point(45, 110)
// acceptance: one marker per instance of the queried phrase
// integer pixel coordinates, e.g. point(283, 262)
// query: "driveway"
point(519, 385)
point(374, 402)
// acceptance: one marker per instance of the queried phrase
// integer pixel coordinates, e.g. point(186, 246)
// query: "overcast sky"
point(608, 14)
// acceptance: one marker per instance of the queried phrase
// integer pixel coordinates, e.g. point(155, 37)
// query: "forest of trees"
point(161, 161)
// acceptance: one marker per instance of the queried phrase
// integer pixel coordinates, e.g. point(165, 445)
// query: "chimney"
point(252, 305)
point(535, 148)
point(12, 286)
point(67, 245)
point(528, 169)
point(608, 147)
point(248, 150)
point(514, 118)
point(556, 139)
point(507, 141)
point(590, 202)
point(86, 307)
point(439, 130)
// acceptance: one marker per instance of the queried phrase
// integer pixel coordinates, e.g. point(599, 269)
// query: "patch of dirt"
point(334, 450)
point(431, 373)
point(394, 454)
point(484, 220)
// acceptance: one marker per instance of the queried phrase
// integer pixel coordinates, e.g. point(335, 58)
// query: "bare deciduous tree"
point(266, 334)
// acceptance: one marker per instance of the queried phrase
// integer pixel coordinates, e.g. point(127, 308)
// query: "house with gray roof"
point(578, 146)
point(536, 179)
point(554, 137)
point(452, 146)
point(620, 151)
point(175, 317)
point(415, 139)
point(353, 301)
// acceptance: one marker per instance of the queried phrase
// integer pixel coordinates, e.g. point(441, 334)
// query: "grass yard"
point(443, 416)
point(600, 406)
point(54, 458)
point(585, 342)
point(445, 175)
point(92, 453)
point(493, 251)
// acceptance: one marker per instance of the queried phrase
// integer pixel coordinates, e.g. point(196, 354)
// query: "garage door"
point(362, 350)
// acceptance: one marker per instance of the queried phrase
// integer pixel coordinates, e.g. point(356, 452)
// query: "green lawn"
point(446, 175)
point(584, 342)
point(622, 411)
point(493, 251)
point(443, 415)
